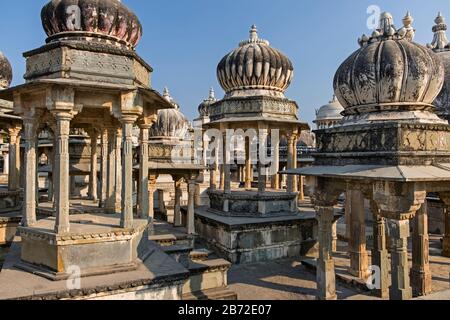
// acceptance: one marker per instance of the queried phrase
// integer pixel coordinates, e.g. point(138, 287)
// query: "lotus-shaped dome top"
point(255, 65)
point(108, 20)
point(389, 72)
point(5, 72)
point(203, 108)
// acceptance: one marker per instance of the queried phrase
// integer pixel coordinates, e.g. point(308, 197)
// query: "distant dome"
point(255, 65)
point(441, 47)
point(171, 123)
point(331, 111)
point(203, 108)
point(389, 72)
point(5, 72)
point(109, 20)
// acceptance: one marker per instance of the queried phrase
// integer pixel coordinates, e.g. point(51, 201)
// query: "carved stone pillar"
point(177, 209)
point(276, 159)
point(400, 288)
point(143, 173)
point(93, 192)
point(213, 176)
point(248, 166)
point(326, 279)
point(61, 172)
point(359, 263)
point(191, 208)
point(379, 251)
point(226, 164)
point(290, 164)
point(104, 169)
point(126, 220)
point(301, 191)
point(30, 137)
point(14, 159)
point(151, 201)
point(119, 169)
point(421, 280)
point(111, 181)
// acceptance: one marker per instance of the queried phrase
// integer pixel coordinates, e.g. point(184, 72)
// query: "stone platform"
point(253, 239)
point(250, 203)
point(95, 245)
point(8, 226)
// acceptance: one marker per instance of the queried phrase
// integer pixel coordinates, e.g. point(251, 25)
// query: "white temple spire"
point(440, 40)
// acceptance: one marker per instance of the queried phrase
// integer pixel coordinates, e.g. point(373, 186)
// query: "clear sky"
point(185, 39)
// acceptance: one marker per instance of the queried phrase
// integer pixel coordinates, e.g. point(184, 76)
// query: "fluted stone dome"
point(255, 65)
point(330, 111)
point(171, 123)
point(108, 20)
point(441, 47)
point(389, 72)
point(203, 108)
point(5, 72)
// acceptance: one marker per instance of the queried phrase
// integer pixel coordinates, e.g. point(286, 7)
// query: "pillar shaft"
point(191, 208)
point(290, 164)
point(446, 240)
point(379, 251)
point(276, 159)
point(119, 170)
point(29, 208)
point(143, 174)
point(111, 180)
point(400, 288)
point(151, 202)
point(226, 165)
point(359, 263)
point(126, 220)
point(420, 272)
point(61, 173)
point(248, 166)
point(104, 169)
point(14, 160)
point(177, 209)
point(326, 279)
point(93, 192)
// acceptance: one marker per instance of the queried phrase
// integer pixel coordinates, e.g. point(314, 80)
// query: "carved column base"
point(400, 288)
point(421, 281)
point(359, 262)
point(326, 280)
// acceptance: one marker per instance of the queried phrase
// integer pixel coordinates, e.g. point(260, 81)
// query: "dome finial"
point(212, 94)
point(253, 33)
point(440, 40)
point(166, 93)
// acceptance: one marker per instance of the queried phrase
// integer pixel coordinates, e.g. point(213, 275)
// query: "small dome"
point(171, 123)
point(255, 66)
point(109, 20)
point(441, 46)
point(389, 72)
point(203, 108)
point(5, 72)
point(331, 111)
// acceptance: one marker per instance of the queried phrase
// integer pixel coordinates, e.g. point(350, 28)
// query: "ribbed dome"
point(171, 123)
point(5, 72)
point(389, 72)
point(330, 111)
point(255, 65)
point(109, 20)
point(441, 46)
point(203, 108)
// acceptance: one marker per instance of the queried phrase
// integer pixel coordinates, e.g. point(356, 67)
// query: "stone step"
point(180, 253)
point(212, 294)
point(200, 254)
point(164, 240)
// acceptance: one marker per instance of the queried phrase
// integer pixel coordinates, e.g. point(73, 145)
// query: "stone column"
point(276, 159)
point(348, 213)
point(290, 164)
point(294, 164)
point(248, 166)
point(61, 172)
point(379, 251)
point(119, 169)
point(446, 240)
point(151, 205)
point(222, 177)
point(213, 176)
point(143, 173)
point(126, 219)
point(400, 288)
point(359, 263)
point(421, 279)
point(177, 210)
point(301, 191)
point(104, 169)
point(191, 208)
point(6, 164)
point(93, 190)
point(14, 161)
point(30, 137)
point(326, 279)
point(111, 180)
point(334, 237)
point(226, 165)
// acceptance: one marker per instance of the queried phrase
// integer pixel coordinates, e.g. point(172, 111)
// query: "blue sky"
point(185, 39)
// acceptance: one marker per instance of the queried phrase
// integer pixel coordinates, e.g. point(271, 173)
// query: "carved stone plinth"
point(253, 204)
point(95, 245)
